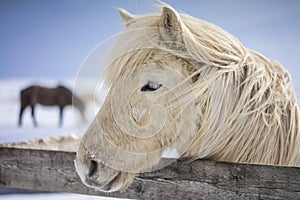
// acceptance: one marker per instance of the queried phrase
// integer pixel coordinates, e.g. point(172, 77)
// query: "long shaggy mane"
point(247, 107)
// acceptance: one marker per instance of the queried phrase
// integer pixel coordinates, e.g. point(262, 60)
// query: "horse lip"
point(107, 187)
point(101, 186)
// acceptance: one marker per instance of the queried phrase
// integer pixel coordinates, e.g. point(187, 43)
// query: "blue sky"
point(51, 38)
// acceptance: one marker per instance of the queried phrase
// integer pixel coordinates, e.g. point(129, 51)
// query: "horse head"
point(174, 81)
point(146, 109)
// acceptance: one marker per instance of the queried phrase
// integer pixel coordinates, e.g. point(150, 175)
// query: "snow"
point(47, 118)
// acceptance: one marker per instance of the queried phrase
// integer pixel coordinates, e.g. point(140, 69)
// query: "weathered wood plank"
point(54, 171)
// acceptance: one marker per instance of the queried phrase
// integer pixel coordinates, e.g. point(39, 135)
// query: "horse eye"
point(150, 86)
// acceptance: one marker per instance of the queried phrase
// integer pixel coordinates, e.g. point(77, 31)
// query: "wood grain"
point(49, 170)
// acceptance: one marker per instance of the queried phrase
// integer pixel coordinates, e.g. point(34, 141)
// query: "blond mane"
point(249, 112)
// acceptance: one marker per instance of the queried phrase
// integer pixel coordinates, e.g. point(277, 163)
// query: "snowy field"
point(47, 118)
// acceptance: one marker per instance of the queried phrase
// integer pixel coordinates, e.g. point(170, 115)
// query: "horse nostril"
point(93, 168)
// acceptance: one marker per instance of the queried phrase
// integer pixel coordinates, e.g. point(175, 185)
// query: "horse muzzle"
point(97, 175)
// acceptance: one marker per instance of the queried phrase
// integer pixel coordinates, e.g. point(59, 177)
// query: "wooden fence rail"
point(50, 170)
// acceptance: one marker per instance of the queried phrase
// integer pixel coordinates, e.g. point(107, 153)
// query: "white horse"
point(175, 81)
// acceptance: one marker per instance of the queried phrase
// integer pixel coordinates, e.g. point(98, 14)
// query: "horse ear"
point(126, 16)
point(170, 19)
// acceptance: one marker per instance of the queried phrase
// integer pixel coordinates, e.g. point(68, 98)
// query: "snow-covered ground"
point(47, 118)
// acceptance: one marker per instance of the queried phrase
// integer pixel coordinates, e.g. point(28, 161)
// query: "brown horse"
point(59, 96)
